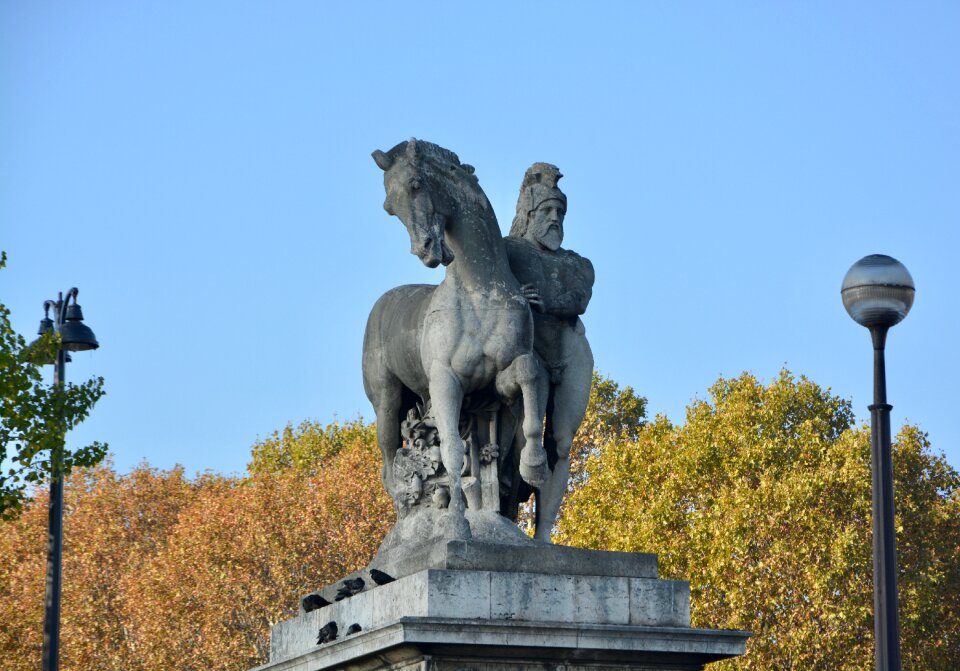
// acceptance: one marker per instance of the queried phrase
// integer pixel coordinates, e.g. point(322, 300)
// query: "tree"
point(307, 447)
point(35, 418)
point(762, 500)
point(162, 572)
point(614, 414)
point(242, 556)
point(114, 526)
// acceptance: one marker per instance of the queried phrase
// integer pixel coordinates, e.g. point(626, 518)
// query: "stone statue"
point(440, 361)
point(558, 284)
point(461, 376)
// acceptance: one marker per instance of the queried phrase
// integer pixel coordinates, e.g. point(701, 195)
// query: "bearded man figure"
point(558, 284)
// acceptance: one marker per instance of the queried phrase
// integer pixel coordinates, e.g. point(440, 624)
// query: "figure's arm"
point(578, 284)
point(523, 265)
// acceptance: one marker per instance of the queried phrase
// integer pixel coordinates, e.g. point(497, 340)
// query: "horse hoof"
point(534, 474)
point(533, 466)
point(456, 527)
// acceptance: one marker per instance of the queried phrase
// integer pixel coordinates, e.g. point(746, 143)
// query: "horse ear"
point(382, 160)
point(412, 148)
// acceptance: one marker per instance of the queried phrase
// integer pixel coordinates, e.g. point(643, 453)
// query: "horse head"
point(417, 195)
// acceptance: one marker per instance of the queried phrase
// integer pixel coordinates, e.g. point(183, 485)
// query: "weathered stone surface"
point(463, 376)
point(521, 557)
point(531, 557)
point(427, 643)
point(495, 596)
point(424, 529)
point(659, 602)
point(436, 356)
point(460, 375)
point(558, 283)
point(601, 599)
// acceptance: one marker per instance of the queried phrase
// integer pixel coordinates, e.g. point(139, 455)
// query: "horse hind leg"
point(446, 398)
point(387, 406)
point(526, 376)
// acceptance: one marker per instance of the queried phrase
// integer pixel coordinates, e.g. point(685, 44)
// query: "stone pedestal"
point(465, 615)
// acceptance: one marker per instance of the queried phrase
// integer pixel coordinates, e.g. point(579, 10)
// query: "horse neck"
point(480, 254)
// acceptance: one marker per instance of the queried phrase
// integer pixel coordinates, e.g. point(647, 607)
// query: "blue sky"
point(202, 172)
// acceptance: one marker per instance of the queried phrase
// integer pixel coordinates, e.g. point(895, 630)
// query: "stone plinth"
point(440, 644)
point(526, 555)
point(498, 620)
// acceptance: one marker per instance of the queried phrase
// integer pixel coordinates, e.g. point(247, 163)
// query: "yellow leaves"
point(762, 500)
point(307, 447)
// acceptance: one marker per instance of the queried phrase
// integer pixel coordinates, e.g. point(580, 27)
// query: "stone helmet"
point(539, 185)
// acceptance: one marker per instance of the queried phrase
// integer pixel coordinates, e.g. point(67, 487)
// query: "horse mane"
point(444, 167)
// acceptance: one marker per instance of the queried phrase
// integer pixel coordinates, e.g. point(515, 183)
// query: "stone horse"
point(474, 331)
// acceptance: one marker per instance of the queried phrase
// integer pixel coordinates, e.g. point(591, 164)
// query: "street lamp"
point(878, 293)
point(75, 336)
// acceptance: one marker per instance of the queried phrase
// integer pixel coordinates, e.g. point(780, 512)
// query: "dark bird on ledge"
point(328, 632)
point(312, 602)
point(348, 588)
point(353, 629)
point(380, 577)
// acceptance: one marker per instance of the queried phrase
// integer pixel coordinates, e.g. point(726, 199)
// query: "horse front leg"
point(526, 376)
point(446, 397)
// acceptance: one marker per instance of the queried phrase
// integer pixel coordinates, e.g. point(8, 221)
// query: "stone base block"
point(531, 556)
point(442, 644)
point(495, 620)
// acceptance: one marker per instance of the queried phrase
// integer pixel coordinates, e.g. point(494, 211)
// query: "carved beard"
point(551, 238)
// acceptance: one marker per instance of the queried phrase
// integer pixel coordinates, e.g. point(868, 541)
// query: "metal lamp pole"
point(74, 336)
point(878, 293)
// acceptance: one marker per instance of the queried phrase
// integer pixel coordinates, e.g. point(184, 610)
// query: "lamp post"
point(75, 336)
point(878, 293)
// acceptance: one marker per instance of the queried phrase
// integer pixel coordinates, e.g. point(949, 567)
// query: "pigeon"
point(348, 588)
point(328, 632)
point(380, 577)
point(312, 602)
point(353, 629)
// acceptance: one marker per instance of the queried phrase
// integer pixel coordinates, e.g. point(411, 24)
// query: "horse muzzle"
point(433, 250)
point(434, 254)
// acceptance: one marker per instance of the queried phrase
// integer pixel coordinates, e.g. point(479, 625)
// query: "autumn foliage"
point(165, 573)
point(761, 498)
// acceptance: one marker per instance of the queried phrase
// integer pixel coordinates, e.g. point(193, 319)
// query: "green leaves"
point(34, 417)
